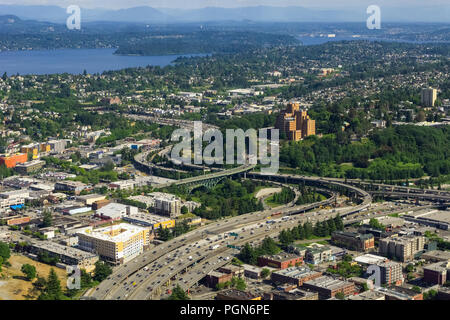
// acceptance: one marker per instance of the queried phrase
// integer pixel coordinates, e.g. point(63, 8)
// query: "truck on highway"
point(214, 247)
point(190, 257)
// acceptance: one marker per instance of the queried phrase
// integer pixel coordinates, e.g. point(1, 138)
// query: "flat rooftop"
point(329, 283)
point(296, 272)
point(115, 233)
point(432, 215)
point(369, 259)
point(436, 255)
point(63, 250)
point(148, 217)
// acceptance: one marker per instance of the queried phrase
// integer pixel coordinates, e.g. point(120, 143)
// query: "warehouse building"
point(234, 294)
point(89, 199)
point(295, 275)
point(13, 198)
point(70, 186)
point(280, 261)
point(116, 211)
point(149, 220)
point(67, 255)
point(295, 294)
point(30, 166)
point(328, 287)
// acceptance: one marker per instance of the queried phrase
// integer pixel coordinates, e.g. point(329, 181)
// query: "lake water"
point(74, 61)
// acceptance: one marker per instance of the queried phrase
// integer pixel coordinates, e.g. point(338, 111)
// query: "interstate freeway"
point(189, 257)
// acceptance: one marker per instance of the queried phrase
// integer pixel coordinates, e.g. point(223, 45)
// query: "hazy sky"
point(116, 4)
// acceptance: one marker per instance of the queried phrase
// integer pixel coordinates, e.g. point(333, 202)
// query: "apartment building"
point(401, 248)
point(166, 204)
point(117, 243)
point(391, 273)
point(428, 97)
point(295, 123)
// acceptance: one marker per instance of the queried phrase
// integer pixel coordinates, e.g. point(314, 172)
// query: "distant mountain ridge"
point(145, 14)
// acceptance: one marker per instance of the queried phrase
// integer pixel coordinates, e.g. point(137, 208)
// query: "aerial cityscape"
point(250, 151)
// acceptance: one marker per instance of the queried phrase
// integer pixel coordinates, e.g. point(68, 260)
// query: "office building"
point(353, 240)
point(401, 248)
point(428, 97)
point(295, 123)
point(116, 243)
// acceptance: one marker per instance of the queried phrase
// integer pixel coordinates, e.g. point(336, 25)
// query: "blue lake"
point(75, 61)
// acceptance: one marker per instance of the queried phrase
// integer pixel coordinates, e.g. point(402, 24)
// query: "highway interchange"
point(188, 258)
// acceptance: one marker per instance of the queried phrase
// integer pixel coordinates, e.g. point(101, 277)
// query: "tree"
point(29, 271)
point(184, 210)
point(52, 289)
point(102, 271)
point(240, 284)
point(178, 294)
point(265, 273)
point(47, 220)
point(5, 252)
point(416, 289)
point(340, 296)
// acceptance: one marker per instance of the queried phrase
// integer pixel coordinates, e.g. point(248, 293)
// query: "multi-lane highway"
point(190, 257)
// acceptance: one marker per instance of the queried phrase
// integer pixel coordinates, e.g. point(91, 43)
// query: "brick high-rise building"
point(295, 123)
point(391, 273)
